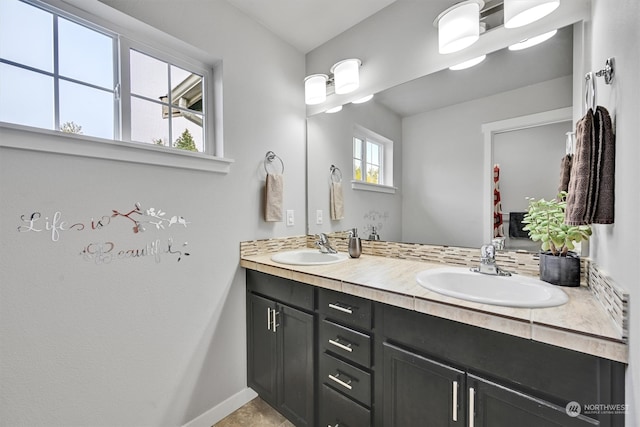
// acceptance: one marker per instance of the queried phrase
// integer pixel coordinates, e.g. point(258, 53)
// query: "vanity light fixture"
point(533, 41)
point(468, 64)
point(345, 77)
point(363, 99)
point(315, 89)
point(334, 109)
point(518, 13)
point(459, 26)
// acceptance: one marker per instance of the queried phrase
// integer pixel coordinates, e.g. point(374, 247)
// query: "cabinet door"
point(492, 405)
point(421, 392)
point(261, 347)
point(296, 355)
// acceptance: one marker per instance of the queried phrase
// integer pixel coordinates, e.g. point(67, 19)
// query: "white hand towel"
point(337, 201)
point(273, 194)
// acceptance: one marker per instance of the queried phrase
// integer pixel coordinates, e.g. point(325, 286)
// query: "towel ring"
point(608, 72)
point(570, 143)
point(589, 91)
point(335, 174)
point(269, 158)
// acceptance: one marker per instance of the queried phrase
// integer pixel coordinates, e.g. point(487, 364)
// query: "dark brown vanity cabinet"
point(496, 405)
point(452, 374)
point(419, 389)
point(325, 358)
point(280, 345)
point(345, 370)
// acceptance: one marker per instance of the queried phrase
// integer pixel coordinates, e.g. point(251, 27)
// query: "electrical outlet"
point(319, 216)
point(290, 219)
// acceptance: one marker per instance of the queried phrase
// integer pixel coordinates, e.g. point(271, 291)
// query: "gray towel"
point(580, 185)
point(273, 194)
point(591, 187)
point(603, 210)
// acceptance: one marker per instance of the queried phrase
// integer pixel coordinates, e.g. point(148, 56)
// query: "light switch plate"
point(319, 216)
point(290, 218)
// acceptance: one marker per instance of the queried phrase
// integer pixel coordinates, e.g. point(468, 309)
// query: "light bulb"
point(518, 13)
point(315, 89)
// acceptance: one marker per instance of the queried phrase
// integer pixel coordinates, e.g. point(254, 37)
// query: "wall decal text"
point(106, 251)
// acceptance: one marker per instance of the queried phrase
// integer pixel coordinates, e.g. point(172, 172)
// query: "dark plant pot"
point(560, 270)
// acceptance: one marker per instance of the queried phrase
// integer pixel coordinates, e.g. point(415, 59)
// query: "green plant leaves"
point(545, 222)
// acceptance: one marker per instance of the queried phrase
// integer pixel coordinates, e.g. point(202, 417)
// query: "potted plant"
point(544, 221)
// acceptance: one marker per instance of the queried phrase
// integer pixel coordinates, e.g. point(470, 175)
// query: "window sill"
point(365, 186)
point(28, 138)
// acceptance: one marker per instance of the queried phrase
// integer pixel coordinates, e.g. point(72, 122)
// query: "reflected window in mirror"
point(371, 155)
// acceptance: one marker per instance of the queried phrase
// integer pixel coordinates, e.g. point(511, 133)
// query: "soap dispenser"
point(355, 244)
point(374, 234)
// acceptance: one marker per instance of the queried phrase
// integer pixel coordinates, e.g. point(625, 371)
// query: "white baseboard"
point(223, 409)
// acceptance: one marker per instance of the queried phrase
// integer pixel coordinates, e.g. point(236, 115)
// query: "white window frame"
point(385, 173)
point(126, 45)
point(130, 33)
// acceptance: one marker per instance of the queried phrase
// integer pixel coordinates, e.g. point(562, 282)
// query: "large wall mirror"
point(438, 194)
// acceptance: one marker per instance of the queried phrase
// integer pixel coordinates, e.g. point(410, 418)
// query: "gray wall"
point(615, 32)
point(330, 142)
point(442, 162)
point(134, 342)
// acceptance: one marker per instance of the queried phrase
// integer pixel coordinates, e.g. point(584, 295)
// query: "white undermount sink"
point(510, 291)
point(308, 257)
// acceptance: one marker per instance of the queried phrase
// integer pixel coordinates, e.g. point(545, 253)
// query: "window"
point(367, 160)
point(372, 160)
point(64, 73)
point(55, 73)
point(166, 103)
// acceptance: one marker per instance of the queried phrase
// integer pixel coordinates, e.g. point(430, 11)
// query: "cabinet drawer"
point(342, 376)
point(282, 290)
point(347, 343)
point(344, 308)
point(338, 410)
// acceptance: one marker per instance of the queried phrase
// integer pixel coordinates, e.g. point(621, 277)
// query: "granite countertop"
point(582, 324)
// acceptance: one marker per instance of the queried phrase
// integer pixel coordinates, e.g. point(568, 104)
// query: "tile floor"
point(255, 414)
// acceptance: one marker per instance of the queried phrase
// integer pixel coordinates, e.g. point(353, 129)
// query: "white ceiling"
point(307, 24)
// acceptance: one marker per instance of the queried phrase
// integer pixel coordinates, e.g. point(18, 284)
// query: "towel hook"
point(336, 174)
point(589, 92)
point(269, 158)
point(608, 72)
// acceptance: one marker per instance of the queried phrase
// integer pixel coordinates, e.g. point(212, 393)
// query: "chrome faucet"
point(323, 244)
point(488, 262)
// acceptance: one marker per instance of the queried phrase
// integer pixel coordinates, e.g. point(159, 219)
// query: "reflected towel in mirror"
point(565, 172)
point(516, 225)
point(336, 201)
point(273, 195)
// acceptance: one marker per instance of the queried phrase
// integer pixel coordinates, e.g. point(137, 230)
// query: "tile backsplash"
point(613, 298)
point(268, 246)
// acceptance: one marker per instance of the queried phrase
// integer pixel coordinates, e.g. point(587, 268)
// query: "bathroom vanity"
point(357, 344)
